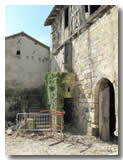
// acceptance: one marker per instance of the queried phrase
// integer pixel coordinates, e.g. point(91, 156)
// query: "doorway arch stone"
point(101, 84)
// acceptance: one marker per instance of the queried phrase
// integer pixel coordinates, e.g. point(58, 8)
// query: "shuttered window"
point(68, 56)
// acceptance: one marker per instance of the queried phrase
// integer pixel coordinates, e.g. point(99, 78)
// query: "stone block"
point(30, 123)
point(9, 131)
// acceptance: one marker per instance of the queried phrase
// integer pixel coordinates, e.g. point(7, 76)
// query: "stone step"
point(34, 109)
point(42, 126)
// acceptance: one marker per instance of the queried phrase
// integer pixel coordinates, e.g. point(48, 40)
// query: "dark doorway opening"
point(112, 111)
point(68, 109)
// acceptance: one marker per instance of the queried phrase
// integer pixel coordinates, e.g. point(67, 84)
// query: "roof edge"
point(28, 36)
point(52, 16)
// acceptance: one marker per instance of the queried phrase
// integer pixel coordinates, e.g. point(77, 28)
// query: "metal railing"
point(33, 121)
point(45, 120)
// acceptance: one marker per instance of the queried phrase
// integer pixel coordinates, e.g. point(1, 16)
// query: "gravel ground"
point(29, 144)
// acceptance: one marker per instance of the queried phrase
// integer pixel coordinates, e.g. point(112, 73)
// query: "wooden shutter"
point(68, 56)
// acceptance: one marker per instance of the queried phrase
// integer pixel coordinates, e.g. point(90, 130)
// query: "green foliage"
point(46, 76)
point(57, 88)
point(67, 134)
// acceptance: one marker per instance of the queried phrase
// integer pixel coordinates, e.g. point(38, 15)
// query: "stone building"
point(26, 61)
point(84, 40)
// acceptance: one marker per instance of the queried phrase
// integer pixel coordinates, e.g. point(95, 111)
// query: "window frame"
point(18, 53)
point(66, 17)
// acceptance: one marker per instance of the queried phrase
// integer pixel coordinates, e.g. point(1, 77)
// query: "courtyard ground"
point(30, 144)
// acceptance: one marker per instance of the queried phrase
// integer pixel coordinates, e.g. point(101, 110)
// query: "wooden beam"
point(51, 18)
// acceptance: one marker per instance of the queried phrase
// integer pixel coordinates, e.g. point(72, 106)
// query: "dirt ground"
point(30, 144)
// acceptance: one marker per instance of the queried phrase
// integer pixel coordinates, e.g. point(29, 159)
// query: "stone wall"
point(94, 57)
point(27, 69)
point(24, 75)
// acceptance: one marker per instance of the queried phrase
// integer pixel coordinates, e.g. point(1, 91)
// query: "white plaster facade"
point(25, 69)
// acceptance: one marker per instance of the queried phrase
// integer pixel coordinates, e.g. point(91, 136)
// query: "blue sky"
point(30, 19)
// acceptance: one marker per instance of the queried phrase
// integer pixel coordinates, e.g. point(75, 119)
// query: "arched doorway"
point(107, 120)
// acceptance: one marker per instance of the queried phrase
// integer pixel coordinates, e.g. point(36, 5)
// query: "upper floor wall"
point(66, 20)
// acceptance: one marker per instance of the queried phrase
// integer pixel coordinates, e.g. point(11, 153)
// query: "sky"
point(29, 19)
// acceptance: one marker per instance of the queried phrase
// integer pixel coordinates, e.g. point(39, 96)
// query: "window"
point(27, 57)
point(66, 17)
point(86, 8)
point(93, 8)
point(18, 53)
point(68, 56)
point(68, 89)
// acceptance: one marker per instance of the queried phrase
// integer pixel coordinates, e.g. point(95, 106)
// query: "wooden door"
point(104, 112)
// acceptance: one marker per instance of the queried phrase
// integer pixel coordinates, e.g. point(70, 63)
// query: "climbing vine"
point(57, 87)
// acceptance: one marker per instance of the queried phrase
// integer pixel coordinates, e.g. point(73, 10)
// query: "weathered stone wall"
point(25, 70)
point(94, 57)
point(24, 100)
point(24, 75)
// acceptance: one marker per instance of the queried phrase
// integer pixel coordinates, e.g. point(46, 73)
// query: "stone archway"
point(105, 109)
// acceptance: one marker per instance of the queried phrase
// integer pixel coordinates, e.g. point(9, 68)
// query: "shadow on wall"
point(55, 66)
point(24, 100)
point(81, 110)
